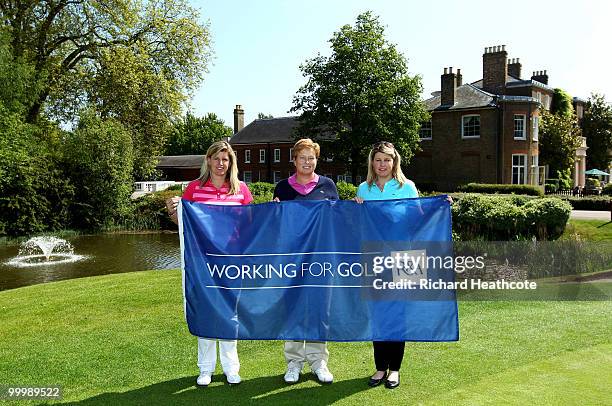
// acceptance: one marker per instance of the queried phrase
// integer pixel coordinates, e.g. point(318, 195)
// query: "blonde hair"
point(232, 171)
point(306, 143)
point(386, 148)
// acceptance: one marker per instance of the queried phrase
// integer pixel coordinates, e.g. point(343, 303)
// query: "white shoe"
point(293, 374)
point(323, 374)
point(204, 379)
point(233, 379)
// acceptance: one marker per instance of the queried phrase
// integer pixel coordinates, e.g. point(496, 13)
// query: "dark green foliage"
point(509, 217)
point(99, 160)
point(34, 193)
point(561, 104)
point(602, 203)
point(346, 191)
point(262, 192)
point(501, 188)
point(597, 128)
point(551, 186)
point(362, 93)
point(193, 135)
point(149, 212)
point(546, 218)
point(607, 190)
point(558, 140)
point(591, 183)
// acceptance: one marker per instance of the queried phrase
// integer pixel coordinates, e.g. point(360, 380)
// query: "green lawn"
point(588, 230)
point(122, 339)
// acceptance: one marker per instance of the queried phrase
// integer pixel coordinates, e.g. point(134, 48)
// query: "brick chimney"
point(540, 76)
point(238, 118)
point(448, 87)
point(494, 69)
point(459, 78)
point(514, 68)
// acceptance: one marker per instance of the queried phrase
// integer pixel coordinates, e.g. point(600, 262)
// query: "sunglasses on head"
point(382, 144)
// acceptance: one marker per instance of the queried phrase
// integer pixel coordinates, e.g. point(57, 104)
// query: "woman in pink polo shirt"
point(218, 184)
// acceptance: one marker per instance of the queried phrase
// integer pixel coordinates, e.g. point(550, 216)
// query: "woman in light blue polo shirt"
point(386, 181)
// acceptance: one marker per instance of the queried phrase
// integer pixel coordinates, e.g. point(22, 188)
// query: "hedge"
point(493, 188)
point(602, 203)
point(509, 217)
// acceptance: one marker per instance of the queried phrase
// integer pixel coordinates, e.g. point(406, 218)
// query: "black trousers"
point(388, 355)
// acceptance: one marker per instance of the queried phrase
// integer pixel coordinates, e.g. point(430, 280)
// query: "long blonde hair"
point(386, 148)
point(232, 172)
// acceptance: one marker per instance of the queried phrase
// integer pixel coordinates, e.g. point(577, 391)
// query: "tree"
point(360, 94)
point(99, 160)
point(597, 128)
point(561, 104)
point(35, 194)
point(133, 60)
point(559, 139)
point(193, 135)
point(263, 116)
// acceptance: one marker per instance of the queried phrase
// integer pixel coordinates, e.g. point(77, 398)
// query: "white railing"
point(143, 188)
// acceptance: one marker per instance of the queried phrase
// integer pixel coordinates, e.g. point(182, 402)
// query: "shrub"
point(589, 202)
point(607, 190)
point(346, 191)
point(502, 188)
point(509, 217)
point(550, 188)
point(592, 183)
point(149, 212)
point(261, 188)
point(547, 217)
point(262, 192)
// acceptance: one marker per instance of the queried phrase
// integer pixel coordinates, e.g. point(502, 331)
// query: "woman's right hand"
point(171, 206)
point(358, 199)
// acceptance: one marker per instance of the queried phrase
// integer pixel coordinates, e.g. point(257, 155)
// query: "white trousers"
point(297, 352)
point(228, 352)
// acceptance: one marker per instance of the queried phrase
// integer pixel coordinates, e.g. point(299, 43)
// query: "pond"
point(105, 254)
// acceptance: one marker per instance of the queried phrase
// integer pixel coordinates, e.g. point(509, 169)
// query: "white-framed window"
point(340, 178)
point(277, 176)
point(290, 154)
point(276, 154)
point(247, 156)
point(262, 155)
point(248, 177)
point(519, 127)
point(519, 169)
point(535, 127)
point(348, 178)
point(470, 126)
point(425, 132)
point(538, 96)
point(547, 101)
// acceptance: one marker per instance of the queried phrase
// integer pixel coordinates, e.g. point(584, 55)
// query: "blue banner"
point(320, 270)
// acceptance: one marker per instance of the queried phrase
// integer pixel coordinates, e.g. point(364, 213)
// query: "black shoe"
point(392, 384)
point(375, 382)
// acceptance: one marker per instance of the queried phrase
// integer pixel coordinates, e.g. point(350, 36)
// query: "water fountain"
point(45, 250)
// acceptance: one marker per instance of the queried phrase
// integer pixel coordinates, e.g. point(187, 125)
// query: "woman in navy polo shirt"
point(305, 184)
point(386, 181)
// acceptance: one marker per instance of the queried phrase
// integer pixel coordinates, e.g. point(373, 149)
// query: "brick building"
point(264, 149)
point(485, 131)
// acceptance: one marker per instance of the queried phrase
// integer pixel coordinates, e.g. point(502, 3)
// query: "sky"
point(258, 45)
